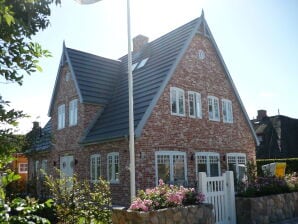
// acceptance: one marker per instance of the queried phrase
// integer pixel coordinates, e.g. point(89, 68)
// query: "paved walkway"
point(289, 221)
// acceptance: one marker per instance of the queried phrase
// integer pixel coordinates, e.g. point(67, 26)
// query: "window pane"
point(98, 167)
point(179, 172)
point(202, 168)
point(214, 170)
point(181, 103)
point(210, 108)
point(191, 104)
point(110, 167)
point(173, 102)
point(216, 109)
point(116, 164)
point(163, 168)
point(92, 168)
point(198, 105)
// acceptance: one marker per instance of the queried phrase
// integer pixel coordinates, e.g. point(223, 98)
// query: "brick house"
point(188, 114)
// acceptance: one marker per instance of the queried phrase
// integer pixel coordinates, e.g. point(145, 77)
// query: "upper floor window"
point(23, 167)
point(227, 111)
point(73, 112)
point(113, 167)
point(177, 101)
point(95, 167)
point(208, 162)
point(170, 167)
point(61, 116)
point(195, 106)
point(143, 63)
point(213, 108)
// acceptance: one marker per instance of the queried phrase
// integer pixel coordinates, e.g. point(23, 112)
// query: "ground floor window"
point(208, 162)
point(170, 167)
point(23, 167)
point(236, 162)
point(94, 167)
point(113, 167)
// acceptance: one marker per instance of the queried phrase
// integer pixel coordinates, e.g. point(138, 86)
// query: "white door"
point(66, 165)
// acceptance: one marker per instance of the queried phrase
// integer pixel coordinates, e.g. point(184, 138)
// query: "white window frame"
point(178, 93)
point(73, 112)
point(208, 156)
point(94, 170)
point(61, 117)
point(239, 158)
point(197, 104)
point(23, 168)
point(213, 102)
point(142, 63)
point(171, 154)
point(227, 111)
point(115, 162)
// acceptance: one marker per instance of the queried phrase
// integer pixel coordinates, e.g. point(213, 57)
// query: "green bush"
point(78, 202)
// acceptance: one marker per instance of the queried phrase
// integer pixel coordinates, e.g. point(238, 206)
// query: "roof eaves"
point(232, 83)
point(148, 112)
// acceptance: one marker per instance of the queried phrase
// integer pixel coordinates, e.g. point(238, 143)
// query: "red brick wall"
point(164, 131)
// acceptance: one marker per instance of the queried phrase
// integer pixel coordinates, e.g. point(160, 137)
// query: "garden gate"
point(219, 191)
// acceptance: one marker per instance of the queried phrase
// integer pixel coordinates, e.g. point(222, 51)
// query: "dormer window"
point(143, 63)
point(133, 67)
point(61, 116)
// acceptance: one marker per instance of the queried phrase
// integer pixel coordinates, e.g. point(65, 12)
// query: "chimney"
point(35, 125)
point(261, 114)
point(139, 42)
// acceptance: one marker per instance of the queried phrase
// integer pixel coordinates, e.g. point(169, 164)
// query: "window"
point(23, 167)
point(208, 162)
point(194, 101)
point(170, 167)
point(236, 162)
point(177, 101)
point(143, 63)
point(213, 108)
point(73, 112)
point(113, 167)
point(61, 116)
point(133, 67)
point(227, 112)
point(94, 167)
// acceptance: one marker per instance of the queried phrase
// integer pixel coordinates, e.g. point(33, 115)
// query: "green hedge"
point(292, 164)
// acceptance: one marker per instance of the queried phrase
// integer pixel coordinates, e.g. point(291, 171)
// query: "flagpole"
point(131, 114)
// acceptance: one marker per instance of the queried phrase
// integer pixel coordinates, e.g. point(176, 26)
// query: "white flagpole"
point(132, 168)
point(131, 112)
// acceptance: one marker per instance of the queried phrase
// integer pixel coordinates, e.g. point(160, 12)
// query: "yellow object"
point(280, 169)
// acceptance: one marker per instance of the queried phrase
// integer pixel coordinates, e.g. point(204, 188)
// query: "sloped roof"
point(163, 53)
point(95, 77)
point(40, 138)
point(279, 137)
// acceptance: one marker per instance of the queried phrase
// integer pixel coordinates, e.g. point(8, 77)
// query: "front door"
point(66, 165)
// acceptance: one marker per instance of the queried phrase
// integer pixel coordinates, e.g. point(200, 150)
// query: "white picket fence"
point(219, 191)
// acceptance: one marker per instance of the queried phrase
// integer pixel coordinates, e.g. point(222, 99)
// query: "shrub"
point(79, 202)
point(165, 196)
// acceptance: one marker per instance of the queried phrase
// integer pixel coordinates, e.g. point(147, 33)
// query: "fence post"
point(202, 183)
point(230, 204)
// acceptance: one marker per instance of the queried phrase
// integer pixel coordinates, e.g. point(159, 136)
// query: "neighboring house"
point(188, 115)
point(278, 136)
point(20, 166)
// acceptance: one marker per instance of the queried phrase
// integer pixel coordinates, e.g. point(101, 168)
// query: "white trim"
point(21, 169)
point(97, 159)
point(114, 157)
point(170, 154)
point(177, 91)
point(73, 112)
point(207, 155)
point(61, 117)
point(214, 102)
point(227, 116)
point(197, 104)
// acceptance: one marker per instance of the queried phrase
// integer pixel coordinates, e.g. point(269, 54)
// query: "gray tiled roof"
point(95, 76)
point(163, 54)
point(40, 138)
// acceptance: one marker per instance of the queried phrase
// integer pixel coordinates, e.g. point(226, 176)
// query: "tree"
point(19, 55)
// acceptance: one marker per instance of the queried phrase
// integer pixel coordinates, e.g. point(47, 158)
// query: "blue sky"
point(257, 39)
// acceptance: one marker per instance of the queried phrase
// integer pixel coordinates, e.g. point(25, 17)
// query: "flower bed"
point(166, 204)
